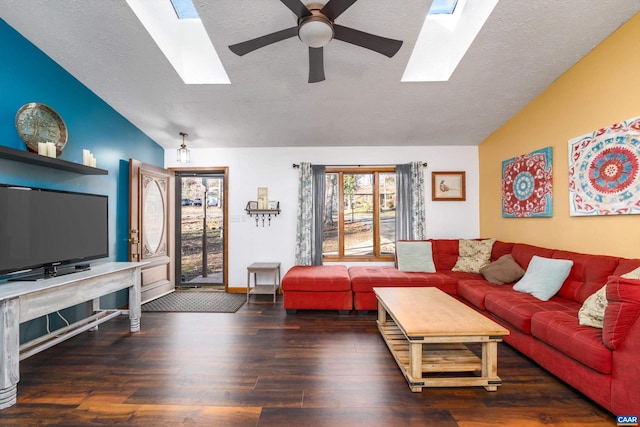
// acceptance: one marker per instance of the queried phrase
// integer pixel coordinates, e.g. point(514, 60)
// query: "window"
point(359, 214)
point(440, 7)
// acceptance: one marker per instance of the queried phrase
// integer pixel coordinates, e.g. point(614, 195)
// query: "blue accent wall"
point(28, 75)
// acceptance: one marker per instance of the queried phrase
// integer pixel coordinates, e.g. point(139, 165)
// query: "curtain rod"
point(296, 166)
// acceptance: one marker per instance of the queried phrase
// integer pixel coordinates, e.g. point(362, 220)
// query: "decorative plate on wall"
point(38, 122)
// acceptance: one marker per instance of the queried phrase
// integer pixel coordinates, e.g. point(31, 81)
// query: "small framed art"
point(253, 205)
point(448, 186)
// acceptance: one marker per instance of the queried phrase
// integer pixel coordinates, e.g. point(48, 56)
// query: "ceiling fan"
point(316, 27)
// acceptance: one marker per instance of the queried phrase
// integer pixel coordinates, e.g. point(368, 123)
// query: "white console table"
point(26, 300)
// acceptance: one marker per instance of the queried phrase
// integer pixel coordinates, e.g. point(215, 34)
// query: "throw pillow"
point(635, 274)
point(503, 270)
point(415, 257)
point(544, 277)
point(473, 255)
point(592, 311)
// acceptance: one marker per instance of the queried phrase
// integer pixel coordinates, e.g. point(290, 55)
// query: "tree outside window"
point(359, 214)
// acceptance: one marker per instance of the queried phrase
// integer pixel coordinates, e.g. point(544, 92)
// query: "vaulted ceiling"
point(523, 47)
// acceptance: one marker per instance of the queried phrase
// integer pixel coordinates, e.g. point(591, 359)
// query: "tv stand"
point(21, 301)
point(50, 272)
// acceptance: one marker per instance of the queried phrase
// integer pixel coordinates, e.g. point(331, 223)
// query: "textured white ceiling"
point(523, 47)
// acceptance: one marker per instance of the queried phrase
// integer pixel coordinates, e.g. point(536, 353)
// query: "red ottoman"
point(317, 287)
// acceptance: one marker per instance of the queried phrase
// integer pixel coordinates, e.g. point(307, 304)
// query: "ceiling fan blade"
point(383, 45)
point(253, 44)
point(316, 65)
point(297, 7)
point(335, 8)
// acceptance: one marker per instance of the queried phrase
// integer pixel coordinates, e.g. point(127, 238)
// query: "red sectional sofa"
point(601, 363)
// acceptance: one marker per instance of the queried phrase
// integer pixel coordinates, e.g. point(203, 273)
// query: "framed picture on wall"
point(448, 186)
point(263, 198)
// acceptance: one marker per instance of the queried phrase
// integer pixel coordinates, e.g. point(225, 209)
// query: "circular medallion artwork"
point(604, 171)
point(523, 185)
point(613, 170)
point(527, 185)
point(38, 122)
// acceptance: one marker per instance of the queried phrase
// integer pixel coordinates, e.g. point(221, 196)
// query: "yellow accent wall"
point(601, 89)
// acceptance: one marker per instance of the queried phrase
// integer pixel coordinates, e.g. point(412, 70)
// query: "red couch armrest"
point(623, 310)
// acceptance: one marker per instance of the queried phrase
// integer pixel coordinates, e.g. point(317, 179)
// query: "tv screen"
point(46, 228)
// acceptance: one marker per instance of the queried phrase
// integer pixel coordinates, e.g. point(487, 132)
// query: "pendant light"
point(184, 155)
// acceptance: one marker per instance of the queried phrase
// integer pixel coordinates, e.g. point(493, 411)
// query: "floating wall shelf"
point(48, 162)
point(262, 214)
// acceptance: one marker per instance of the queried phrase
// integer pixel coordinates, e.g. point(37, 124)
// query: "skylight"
point(185, 9)
point(443, 7)
point(184, 42)
point(445, 38)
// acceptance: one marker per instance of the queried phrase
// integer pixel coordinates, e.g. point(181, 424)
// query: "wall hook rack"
point(262, 214)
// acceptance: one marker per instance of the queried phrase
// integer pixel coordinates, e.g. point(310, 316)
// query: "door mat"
point(196, 302)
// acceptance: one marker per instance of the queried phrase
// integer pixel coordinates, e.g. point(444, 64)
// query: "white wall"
point(250, 168)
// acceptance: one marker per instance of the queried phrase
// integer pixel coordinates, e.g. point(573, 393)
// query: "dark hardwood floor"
point(262, 367)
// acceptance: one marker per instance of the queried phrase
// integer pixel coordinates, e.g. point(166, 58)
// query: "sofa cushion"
point(517, 308)
point(633, 274)
point(626, 266)
point(445, 253)
point(522, 253)
point(503, 270)
point(500, 249)
point(592, 311)
point(561, 331)
point(474, 291)
point(326, 278)
point(544, 277)
point(415, 256)
point(623, 309)
point(364, 279)
point(473, 255)
point(589, 273)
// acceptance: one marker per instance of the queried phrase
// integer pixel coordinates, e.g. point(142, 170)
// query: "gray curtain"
point(310, 214)
point(410, 207)
point(404, 226)
point(318, 173)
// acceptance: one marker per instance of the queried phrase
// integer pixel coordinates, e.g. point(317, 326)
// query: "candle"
point(51, 149)
point(42, 148)
point(85, 157)
point(93, 161)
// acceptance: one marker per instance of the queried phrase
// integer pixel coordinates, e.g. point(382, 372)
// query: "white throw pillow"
point(415, 257)
point(544, 277)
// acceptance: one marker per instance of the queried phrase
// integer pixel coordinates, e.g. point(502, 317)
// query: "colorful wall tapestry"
point(603, 171)
point(527, 185)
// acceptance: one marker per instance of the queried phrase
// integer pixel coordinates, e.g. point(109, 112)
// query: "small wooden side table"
point(263, 289)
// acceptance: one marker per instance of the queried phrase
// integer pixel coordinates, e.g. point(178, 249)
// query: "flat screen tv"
point(41, 230)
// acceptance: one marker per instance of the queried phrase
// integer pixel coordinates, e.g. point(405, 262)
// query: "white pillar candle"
point(51, 149)
point(85, 157)
point(93, 161)
point(42, 148)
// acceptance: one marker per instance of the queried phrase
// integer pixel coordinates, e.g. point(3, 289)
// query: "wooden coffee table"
point(427, 332)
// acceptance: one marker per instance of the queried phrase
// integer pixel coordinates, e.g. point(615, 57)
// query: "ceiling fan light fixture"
point(315, 31)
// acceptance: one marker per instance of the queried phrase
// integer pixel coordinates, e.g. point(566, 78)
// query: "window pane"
point(358, 214)
point(387, 192)
point(331, 229)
